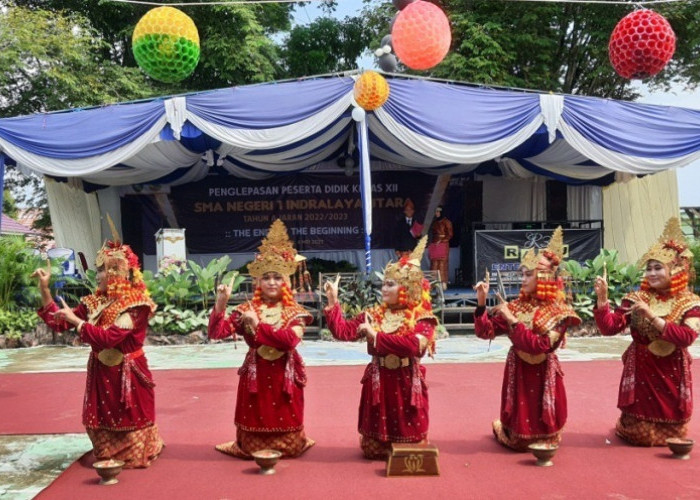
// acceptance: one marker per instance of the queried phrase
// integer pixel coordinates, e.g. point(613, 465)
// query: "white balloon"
point(386, 50)
point(379, 52)
point(358, 114)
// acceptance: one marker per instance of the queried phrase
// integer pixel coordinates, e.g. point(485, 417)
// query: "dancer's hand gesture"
point(331, 289)
point(43, 275)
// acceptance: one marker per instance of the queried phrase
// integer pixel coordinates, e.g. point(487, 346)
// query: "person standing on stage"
point(407, 230)
point(270, 401)
point(441, 233)
point(533, 399)
point(394, 399)
point(656, 389)
point(119, 404)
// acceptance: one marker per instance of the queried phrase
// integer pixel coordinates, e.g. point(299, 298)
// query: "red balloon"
point(641, 44)
point(421, 35)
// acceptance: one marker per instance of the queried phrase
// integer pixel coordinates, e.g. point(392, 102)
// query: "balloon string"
point(215, 2)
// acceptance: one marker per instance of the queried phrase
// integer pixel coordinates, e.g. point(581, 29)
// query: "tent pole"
point(365, 190)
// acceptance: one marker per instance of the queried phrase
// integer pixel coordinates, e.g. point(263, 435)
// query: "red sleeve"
point(106, 338)
point(221, 327)
point(341, 328)
point(608, 322)
point(526, 340)
point(681, 335)
point(404, 346)
point(46, 314)
point(283, 339)
point(487, 327)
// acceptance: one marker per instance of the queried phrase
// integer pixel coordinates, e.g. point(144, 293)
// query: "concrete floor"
point(29, 463)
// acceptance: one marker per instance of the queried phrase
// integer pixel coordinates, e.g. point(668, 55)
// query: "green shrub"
point(193, 287)
point(14, 323)
point(17, 263)
point(622, 278)
point(185, 294)
point(358, 295)
point(170, 319)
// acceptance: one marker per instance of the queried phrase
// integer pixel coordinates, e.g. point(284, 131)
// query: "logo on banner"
point(533, 240)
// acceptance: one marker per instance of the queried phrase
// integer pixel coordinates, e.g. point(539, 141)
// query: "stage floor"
point(195, 412)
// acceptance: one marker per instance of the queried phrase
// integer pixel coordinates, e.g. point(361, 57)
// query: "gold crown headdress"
point(671, 248)
point(116, 257)
point(407, 272)
point(276, 253)
point(553, 253)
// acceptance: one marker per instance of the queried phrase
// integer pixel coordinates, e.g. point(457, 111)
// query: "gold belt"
point(531, 359)
point(392, 361)
point(661, 348)
point(114, 357)
point(269, 353)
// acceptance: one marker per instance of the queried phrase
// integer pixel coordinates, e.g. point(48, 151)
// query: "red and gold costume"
point(656, 388)
point(441, 233)
point(533, 398)
point(119, 405)
point(394, 399)
point(270, 401)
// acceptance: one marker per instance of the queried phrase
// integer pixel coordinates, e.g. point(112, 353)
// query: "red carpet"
point(195, 411)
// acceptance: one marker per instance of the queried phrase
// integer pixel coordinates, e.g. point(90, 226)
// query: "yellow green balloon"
point(166, 44)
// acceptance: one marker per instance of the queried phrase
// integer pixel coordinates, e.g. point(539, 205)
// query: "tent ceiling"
point(261, 130)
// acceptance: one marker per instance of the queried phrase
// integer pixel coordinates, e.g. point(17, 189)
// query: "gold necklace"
point(271, 315)
point(392, 321)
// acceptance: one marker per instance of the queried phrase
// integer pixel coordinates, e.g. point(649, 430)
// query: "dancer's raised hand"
point(331, 290)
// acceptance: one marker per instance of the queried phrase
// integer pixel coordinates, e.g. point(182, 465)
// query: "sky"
point(688, 177)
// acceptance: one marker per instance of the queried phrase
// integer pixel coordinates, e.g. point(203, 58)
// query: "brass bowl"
point(680, 447)
point(267, 459)
point(108, 470)
point(543, 453)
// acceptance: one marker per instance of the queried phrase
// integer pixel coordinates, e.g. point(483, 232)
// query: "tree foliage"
point(559, 47)
point(9, 207)
point(51, 61)
point(235, 40)
point(327, 45)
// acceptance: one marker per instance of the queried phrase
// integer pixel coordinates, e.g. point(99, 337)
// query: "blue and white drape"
point(261, 130)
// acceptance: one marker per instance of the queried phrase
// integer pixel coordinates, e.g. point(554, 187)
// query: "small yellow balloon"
point(371, 90)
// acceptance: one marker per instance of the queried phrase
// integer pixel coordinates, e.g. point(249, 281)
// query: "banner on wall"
point(503, 249)
point(225, 214)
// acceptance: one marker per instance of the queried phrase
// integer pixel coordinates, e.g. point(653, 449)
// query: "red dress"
point(656, 389)
point(394, 399)
point(119, 404)
point(533, 398)
point(270, 401)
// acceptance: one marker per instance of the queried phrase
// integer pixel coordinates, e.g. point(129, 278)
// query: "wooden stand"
point(413, 459)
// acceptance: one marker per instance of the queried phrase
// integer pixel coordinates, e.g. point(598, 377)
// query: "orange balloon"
point(371, 90)
point(421, 35)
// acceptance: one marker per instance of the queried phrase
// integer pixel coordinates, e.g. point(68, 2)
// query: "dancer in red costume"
point(656, 389)
point(119, 408)
point(270, 403)
point(533, 399)
point(394, 399)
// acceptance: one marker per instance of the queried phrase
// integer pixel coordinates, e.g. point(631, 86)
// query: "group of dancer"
point(655, 396)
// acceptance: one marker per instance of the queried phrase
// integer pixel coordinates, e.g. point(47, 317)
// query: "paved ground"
point(28, 463)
